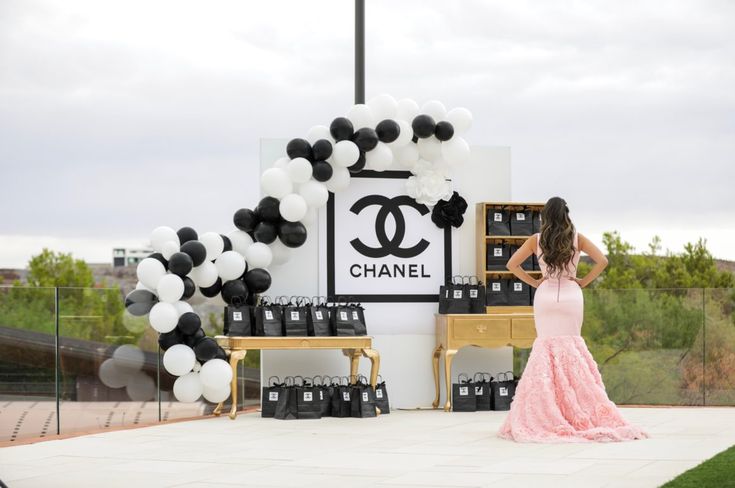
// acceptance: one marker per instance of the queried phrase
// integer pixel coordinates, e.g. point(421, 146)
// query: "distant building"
point(128, 257)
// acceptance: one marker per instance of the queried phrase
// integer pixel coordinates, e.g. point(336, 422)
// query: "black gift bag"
point(497, 292)
point(342, 398)
point(294, 318)
point(463, 395)
point(357, 314)
point(521, 223)
point(270, 396)
point(325, 395)
point(381, 397)
point(533, 294)
point(268, 320)
point(498, 255)
point(483, 396)
point(498, 222)
point(536, 266)
point(317, 318)
point(340, 318)
point(528, 263)
point(476, 295)
point(503, 390)
point(287, 407)
point(519, 292)
point(363, 399)
point(454, 297)
point(536, 216)
point(308, 405)
point(238, 321)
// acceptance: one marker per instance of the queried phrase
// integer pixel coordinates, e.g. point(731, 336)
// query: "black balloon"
point(211, 291)
point(341, 129)
point(265, 232)
point(180, 263)
point(299, 148)
point(257, 280)
point(322, 149)
point(168, 339)
point(267, 210)
point(196, 251)
point(189, 287)
point(322, 171)
point(221, 354)
point(366, 139)
point(388, 130)
point(187, 234)
point(159, 257)
point(359, 164)
point(228, 243)
point(444, 130)
point(292, 234)
point(234, 291)
point(140, 302)
point(245, 219)
point(423, 126)
point(191, 340)
point(189, 323)
point(206, 349)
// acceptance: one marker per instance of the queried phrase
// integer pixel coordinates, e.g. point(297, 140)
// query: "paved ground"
point(405, 448)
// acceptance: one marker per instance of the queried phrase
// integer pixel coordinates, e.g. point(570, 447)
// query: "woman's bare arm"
point(594, 252)
point(521, 254)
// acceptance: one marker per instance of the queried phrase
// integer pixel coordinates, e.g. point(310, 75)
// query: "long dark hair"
point(556, 238)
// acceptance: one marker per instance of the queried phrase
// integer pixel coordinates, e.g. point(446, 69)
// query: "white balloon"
point(380, 158)
point(282, 163)
point(293, 207)
point(141, 286)
point(204, 275)
point(179, 359)
point(240, 240)
point(318, 132)
point(299, 170)
point(197, 367)
point(215, 374)
point(163, 234)
point(340, 179)
point(140, 387)
point(230, 265)
point(456, 151)
point(259, 255)
point(344, 154)
point(111, 375)
point(383, 107)
point(213, 243)
point(406, 156)
point(404, 137)
point(163, 317)
point(315, 194)
point(280, 252)
point(149, 272)
point(407, 109)
point(216, 395)
point(436, 109)
point(170, 288)
point(182, 307)
point(460, 118)
point(169, 248)
point(188, 388)
point(129, 357)
point(429, 148)
point(276, 182)
point(361, 116)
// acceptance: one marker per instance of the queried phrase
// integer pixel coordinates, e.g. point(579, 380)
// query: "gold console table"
point(352, 346)
point(455, 331)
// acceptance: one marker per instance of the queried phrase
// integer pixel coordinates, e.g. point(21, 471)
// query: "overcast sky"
point(117, 117)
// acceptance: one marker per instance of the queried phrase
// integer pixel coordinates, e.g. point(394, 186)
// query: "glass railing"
point(73, 360)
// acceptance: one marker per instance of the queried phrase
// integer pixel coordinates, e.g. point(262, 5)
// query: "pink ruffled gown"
point(560, 396)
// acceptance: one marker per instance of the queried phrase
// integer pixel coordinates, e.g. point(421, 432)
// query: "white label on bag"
point(503, 391)
point(237, 316)
point(520, 216)
point(478, 390)
point(364, 396)
point(269, 315)
point(464, 391)
point(319, 315)
point(473, 293)
point(517, 286)
point(343, 315)
point(321, 395)
point(497, 251)
point(355, 316)
point(379, 393)
point(346, 396)
point(496, 286)
point(457, 293)
point(273, 396)
point(307, 396)
point(294, 315)
point(498, 217)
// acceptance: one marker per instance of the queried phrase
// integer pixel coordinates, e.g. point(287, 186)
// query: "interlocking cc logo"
point(392, 246)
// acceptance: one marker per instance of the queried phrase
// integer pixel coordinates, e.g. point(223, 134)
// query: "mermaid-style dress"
point(560, 396)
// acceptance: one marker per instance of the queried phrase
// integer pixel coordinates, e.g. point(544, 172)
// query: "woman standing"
point(560, 396)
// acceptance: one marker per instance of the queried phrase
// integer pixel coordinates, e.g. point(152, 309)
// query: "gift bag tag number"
point(321, 395)
point(517, 286)
point(520, 216)
point(473, 293)
point(294, 315)
point(464, 391)
point(319, 315)
point(364, 396)
point(237, 316)
point(496, 286)
point(346, 396)
point(354, 315)
point(497, 252)
point(498, 217)
point(343, 315)
point(307, 396)
point(503, 391)
point(273, 396)
point(478, 390)
point(457, 293)
point(379, 393)
point(269, 315)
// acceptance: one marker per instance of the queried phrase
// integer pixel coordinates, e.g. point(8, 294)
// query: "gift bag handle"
point(278, 381)
point(459, 378)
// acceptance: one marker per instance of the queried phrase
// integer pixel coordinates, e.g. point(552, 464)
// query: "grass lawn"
point(716, 472)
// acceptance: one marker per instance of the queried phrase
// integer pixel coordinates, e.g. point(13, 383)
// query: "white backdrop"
point(403, 332)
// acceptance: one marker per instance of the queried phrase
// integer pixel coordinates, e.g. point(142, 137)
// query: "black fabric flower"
point(449, 212)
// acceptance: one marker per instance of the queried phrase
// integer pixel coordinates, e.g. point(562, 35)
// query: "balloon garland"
point(188, 268)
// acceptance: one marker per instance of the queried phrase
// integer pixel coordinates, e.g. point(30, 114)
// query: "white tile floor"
point(403, 449)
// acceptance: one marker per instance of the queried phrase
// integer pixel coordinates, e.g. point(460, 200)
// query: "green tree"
point(51, 269)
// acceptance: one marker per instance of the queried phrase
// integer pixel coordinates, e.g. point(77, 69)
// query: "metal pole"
point(57, 375)
point(359, 51)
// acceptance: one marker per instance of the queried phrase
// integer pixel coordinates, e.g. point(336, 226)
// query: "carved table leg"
point(448, 357)
point(435, 361)
point(374, 358)
point(354, 357)
point(235, 357)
